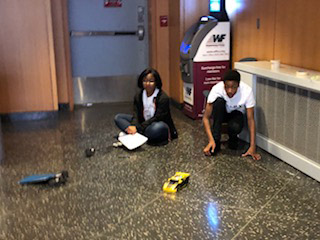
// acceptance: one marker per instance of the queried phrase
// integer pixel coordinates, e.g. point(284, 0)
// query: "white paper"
point(132, 141)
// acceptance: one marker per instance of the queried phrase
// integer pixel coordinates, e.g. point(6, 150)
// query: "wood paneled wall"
point(192, 10)
point(297, 33)
point(289, 31)
point(27, 63)
point(249, 39)
point(159, 41)
point(175, 35)
point(165, 41)
point(62, 51)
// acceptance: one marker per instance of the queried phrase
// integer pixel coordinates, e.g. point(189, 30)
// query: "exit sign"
point(113, 3)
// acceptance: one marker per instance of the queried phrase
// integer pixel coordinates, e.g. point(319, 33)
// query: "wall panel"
point(193, 10)
point(159, 41)
point(27, 64)
point(175, 36)
point(163, 61)
point(248, 39)
point(58, 34)
point(298, 33)
point(62, 51)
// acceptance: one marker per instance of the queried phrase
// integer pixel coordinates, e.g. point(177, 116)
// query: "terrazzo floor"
point(117, 194)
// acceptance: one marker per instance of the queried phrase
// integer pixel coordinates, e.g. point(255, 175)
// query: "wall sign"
point(112, 3)
point(164, 21)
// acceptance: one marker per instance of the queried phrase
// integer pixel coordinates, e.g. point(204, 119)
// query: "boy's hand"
point(251, 151)
point(209, 149)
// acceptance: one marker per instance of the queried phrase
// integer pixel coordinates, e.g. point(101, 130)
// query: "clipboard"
point(133, 141)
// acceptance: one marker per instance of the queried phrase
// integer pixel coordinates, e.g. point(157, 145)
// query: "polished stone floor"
point(117, 194)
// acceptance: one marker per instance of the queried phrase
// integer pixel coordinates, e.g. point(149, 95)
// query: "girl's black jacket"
point(162, 113)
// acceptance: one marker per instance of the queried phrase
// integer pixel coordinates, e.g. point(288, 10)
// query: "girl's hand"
point(131, 130)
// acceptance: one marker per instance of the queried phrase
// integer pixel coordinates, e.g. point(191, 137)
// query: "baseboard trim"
point(296, 160)
point(28, 116)
point(64, 107)
point(289, 156)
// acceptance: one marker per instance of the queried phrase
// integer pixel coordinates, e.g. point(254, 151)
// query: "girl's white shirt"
point(149, 106)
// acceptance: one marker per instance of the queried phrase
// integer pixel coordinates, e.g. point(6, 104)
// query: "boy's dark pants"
point(235, 121)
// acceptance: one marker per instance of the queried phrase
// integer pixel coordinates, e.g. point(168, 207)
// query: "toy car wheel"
point(63, 177)
point(52, 182)
point(187, 180)
point(62, 180)
point(65, 174)
point(184, 184)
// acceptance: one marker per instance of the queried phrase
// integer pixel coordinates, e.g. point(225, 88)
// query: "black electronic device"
point(217, 9)
point(90, 152)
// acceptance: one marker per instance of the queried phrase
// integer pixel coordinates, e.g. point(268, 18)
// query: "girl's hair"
point(155, 75)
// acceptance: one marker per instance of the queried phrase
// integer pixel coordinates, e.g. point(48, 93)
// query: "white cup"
point(275, 64)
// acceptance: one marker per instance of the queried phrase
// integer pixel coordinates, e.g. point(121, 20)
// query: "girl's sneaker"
point(117, 144)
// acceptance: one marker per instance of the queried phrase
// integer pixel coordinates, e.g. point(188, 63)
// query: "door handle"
point(140, 33)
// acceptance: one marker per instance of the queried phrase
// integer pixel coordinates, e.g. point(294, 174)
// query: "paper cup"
point(275, 64)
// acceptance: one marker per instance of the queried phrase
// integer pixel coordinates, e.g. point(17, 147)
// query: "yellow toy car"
point(177, 182)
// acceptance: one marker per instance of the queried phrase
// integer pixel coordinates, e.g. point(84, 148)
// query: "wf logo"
point(188, 90)
point(219, 37)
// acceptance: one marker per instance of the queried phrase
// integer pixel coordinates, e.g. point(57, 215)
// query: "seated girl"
point(152, 116)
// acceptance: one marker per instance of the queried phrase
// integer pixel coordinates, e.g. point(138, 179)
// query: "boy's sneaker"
point(233, 143)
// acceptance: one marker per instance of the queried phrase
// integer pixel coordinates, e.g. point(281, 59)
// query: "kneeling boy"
point(229, 101)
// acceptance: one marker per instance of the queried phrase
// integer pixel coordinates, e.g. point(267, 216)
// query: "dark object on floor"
point(90, 152)
point(50, 178)
point(216, 149)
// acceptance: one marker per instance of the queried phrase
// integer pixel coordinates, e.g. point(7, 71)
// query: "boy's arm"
point(252, 130)
point(206, 123)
